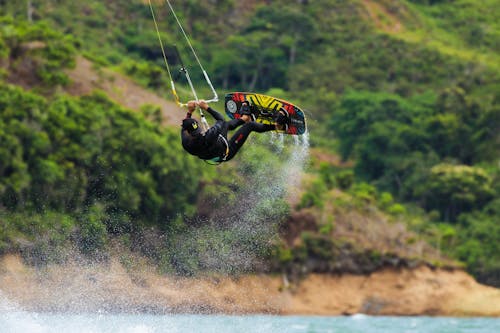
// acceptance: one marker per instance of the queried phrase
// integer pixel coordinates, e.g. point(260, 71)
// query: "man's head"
point(192, 126)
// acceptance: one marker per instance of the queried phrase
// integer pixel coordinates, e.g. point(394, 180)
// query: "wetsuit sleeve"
point(215, 114)
point(213, 132)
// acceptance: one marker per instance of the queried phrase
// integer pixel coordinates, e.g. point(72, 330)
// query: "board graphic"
point(265, 110)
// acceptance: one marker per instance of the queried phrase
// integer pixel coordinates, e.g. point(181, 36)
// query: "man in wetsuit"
point(214, 145)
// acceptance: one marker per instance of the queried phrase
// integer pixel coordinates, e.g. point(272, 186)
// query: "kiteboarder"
point(213, 145)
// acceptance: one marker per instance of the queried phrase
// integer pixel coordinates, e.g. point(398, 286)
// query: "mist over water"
point(231, 246)
point(235, 243)
point(264, 201)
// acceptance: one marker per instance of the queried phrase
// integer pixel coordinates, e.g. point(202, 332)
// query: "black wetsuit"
point(213, 144)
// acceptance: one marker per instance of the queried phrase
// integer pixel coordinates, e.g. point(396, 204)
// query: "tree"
point(71, 153)
point(290, 25)
point(360, 111)
point(455, 189)
point(479, 243)
point(261, 55)
point(453, 125)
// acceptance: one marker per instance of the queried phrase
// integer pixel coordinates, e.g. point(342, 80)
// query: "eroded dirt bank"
point(112, 287)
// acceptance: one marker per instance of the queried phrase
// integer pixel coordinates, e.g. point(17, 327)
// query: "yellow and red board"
point(265, 110)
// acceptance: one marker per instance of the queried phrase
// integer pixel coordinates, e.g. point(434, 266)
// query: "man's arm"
point(204, 106)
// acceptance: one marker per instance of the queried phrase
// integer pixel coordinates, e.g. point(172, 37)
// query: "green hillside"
point(406, 93)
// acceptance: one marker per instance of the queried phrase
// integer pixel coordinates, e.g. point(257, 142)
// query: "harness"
point(219, 159)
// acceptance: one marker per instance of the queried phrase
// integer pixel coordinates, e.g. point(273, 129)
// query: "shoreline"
point(111, 288)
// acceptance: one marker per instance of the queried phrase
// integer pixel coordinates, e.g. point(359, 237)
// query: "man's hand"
point(203, 105)
point(191, 106)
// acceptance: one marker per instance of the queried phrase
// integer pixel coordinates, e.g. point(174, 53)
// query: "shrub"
point(454, 189)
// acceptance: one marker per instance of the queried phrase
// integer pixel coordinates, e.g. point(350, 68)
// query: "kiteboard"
point(265, 109)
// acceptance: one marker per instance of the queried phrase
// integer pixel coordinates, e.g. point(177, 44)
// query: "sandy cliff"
point(111, 287)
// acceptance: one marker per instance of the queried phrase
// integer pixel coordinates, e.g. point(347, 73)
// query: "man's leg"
point(241, 135)
point(233, 123)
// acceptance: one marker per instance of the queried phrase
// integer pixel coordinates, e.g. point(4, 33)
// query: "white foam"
point(15, 320)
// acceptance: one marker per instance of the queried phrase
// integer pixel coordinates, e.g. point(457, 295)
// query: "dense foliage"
point(406, 90)
point(34, 50)
point(89, 156)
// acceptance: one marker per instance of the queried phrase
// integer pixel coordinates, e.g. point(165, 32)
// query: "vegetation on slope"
point(407, 90)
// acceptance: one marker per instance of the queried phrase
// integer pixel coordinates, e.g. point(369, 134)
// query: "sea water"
point(26, 322)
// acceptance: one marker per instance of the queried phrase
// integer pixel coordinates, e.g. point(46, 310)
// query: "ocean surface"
point(26, 322)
